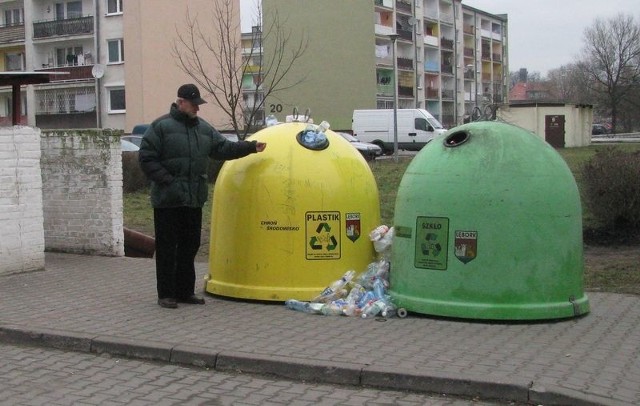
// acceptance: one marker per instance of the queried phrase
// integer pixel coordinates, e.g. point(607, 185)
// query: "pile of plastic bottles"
point(363, 295)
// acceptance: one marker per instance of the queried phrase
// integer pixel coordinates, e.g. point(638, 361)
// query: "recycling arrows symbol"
point(315, 243)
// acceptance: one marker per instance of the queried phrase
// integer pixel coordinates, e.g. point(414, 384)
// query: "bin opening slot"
point(456, 139)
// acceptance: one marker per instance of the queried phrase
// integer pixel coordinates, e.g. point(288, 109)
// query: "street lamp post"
point(393, 38)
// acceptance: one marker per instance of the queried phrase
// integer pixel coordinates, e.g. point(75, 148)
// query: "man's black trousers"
point(177, 242)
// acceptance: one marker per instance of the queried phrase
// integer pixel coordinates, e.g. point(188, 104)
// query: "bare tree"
point(217, 65)
point(568, 83)
point(611, 60)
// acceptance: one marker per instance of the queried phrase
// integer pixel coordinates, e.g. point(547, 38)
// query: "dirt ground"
point(602, 256)
point(612, 268)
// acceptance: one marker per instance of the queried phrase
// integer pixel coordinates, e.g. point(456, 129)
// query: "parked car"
point(599, 129)
point(134, 139)
point(369, 151)
point(139, 129)
point(128, 146)
point(136, 134)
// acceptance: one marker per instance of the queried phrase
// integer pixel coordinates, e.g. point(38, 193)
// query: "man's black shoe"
point(193, 299)
point(168, 303)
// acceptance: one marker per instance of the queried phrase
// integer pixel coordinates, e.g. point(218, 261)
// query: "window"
point(65, 101)
point(74, 9)
point(116, 50)
point(14, 61)
point(117, 102)
point(13, 17)
point(68, 56)
point(114, 6)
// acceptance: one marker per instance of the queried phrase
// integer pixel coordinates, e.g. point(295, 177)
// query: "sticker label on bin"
point(432, 236)
point(322, 235)
point(352, 222)
point(466, 245)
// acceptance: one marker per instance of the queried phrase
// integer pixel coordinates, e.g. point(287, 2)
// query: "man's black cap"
point(190, 92)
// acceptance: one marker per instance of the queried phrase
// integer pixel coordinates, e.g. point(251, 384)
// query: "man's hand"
point(260, 146)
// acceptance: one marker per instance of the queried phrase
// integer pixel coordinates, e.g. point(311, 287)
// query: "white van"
point(416, 127)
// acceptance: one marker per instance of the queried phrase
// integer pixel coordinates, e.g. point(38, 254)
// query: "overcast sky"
point(546, 34)
point(543, 34)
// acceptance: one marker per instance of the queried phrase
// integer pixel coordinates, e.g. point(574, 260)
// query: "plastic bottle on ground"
point(366, 298)
point(372, 309)
point(334, 308)
point(389, 310)
point(300, 306)
point(379, 288)
point(335, 287)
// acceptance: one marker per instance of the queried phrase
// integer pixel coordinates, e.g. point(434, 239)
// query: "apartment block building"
point(114, 58)
point(448, 57)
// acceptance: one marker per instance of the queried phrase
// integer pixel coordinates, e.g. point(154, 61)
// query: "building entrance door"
point(554, 130)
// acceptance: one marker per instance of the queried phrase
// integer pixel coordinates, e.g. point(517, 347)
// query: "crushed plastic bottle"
point(389, 310)
point(383, 244)
point(351, 307)
point(334, 291)
point(334, 308)
point(372, 309)
point(301, 306)
point(355, 293)
point(375, 270)
point(271, 120)
point(313, 135)
point(369, 296)
point(378, 232)
point(379, 289)
point(323, 126)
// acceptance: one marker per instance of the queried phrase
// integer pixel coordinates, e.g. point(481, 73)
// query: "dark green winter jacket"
point(175, 153)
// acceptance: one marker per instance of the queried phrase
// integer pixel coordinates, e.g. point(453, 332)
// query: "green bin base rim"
point(492, 311)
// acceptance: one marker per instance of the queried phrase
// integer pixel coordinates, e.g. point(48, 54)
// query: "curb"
point(296, 369)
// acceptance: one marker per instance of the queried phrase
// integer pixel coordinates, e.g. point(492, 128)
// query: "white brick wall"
point(82, 192)
point(21, 215)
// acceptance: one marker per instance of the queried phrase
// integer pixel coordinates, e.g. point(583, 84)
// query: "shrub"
point(611, 182)
point(133, 179)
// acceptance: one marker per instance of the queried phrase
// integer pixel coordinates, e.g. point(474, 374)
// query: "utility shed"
point(562, 125)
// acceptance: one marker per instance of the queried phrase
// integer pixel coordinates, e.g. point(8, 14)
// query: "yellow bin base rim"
point(271, 293)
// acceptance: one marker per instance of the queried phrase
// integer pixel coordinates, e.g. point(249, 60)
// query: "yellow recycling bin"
point(288, 221)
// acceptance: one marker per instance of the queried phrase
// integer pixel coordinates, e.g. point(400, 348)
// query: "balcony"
point(405, 63)
point(82, 72)
point(405, 34)
point(447, 94)
point(432, 66)
point(381, 29)
point(384, 90)
point(404, 6)
point(11, 33)
point(445, 68)
point(431, 40)
point(432, 93)
point(496, 57)
point(383, 3)
point(405, 91)
point(70, 26)
point(446, 43)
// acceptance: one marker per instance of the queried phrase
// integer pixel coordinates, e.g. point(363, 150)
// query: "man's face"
point(188, 108)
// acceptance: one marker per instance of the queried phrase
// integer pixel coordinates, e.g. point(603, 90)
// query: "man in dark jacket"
point(174, 154)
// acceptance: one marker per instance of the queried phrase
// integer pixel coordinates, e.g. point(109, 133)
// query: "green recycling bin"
point(488, 225)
